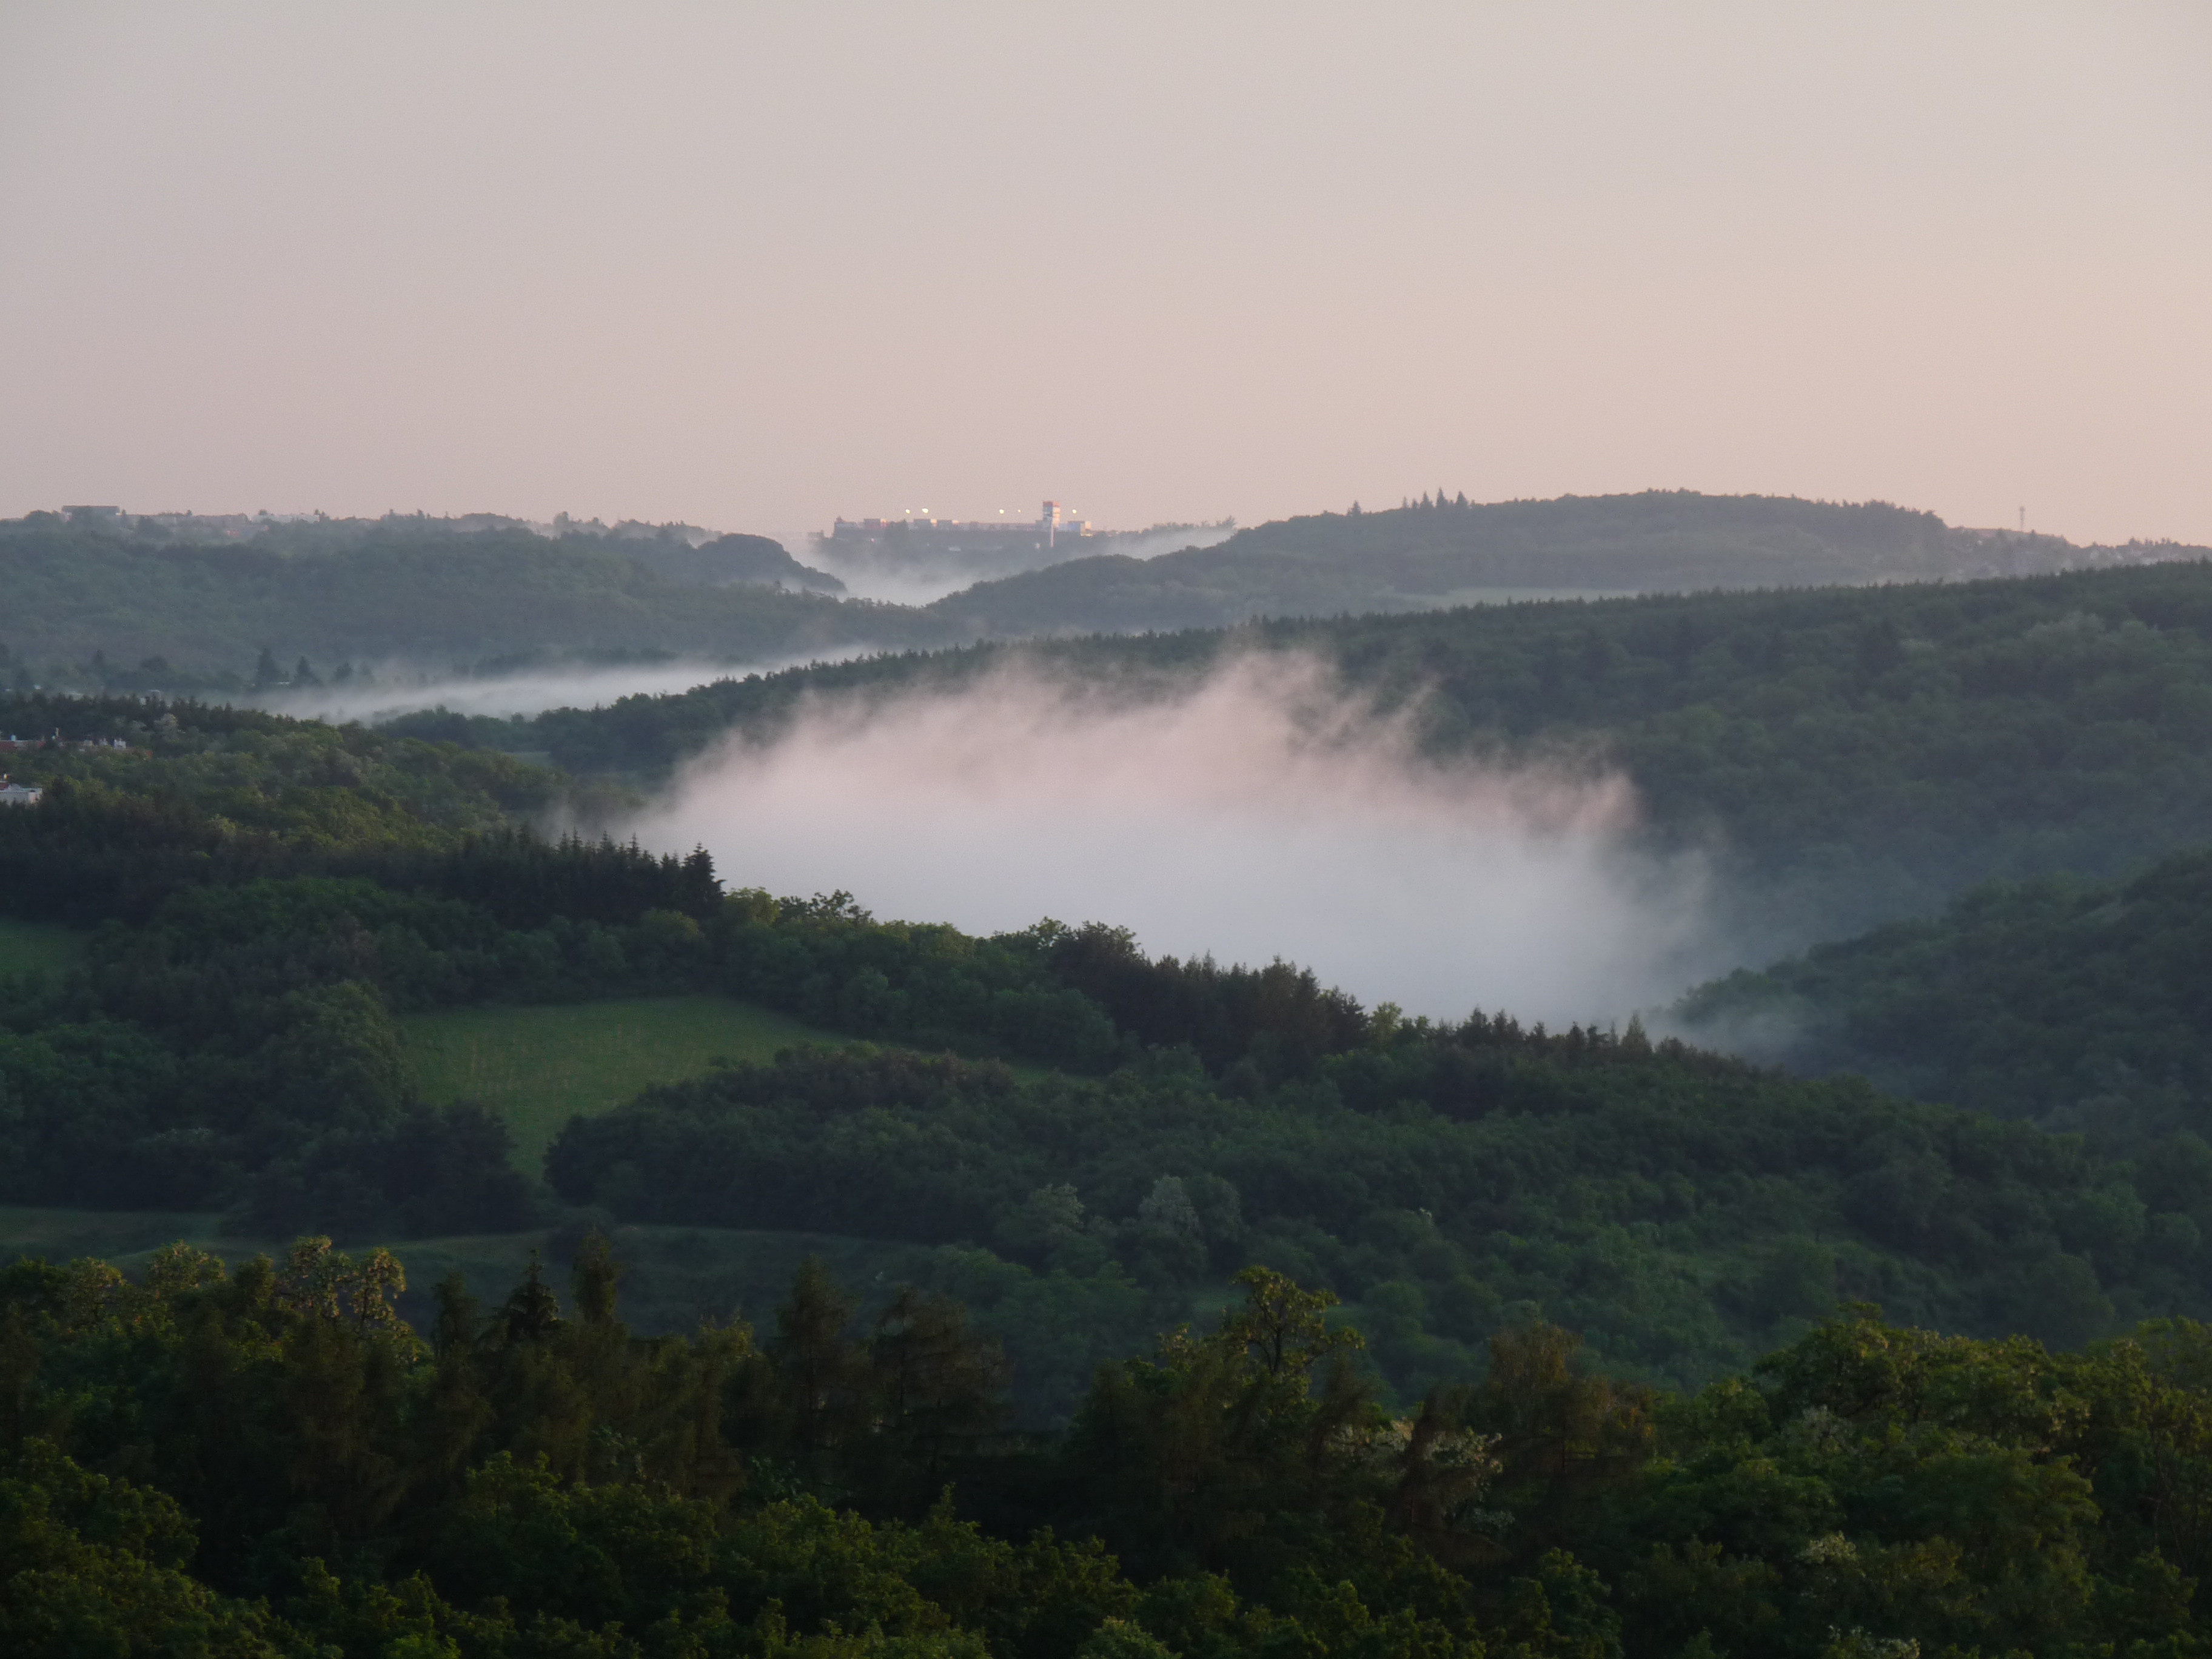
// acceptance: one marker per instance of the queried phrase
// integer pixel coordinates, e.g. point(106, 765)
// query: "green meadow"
point(31, 946)
point(539, 1065)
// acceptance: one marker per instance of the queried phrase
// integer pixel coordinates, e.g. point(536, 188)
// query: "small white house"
point(19, 795)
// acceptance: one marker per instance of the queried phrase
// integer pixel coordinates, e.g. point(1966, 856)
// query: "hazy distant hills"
point(180, 602)
point(148, 605)
point(727, 560)
point(1437, 553)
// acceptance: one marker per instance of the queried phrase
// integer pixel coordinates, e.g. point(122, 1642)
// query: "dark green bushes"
point(305, 1476)
point(2082, 1005)
point(1679, 1209)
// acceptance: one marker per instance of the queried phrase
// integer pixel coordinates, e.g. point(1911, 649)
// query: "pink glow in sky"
point(753, 266)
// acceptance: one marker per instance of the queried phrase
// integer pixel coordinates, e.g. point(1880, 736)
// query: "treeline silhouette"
point(268, 1462)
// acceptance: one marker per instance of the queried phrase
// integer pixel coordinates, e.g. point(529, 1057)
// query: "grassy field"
point(28, 945)
point(126, 1237)
point(538, 1067)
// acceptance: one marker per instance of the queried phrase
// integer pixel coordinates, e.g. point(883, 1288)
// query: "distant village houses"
point(58, 741)
point(914, 537)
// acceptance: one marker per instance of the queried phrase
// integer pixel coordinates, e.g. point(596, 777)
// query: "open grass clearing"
point(125, 1237)
point(538, 1066)
point(37, 946)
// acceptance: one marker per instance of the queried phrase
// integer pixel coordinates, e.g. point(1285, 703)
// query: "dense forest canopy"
point(1079, 1145)
point(271, 897)
point(268, 1463)
point(1241, 1318)
point(2083, 1006)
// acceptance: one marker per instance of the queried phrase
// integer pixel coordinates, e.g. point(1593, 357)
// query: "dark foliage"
point(272, 1464)
point(2084, 1005)
point(1680, 1209)
point(235, 1048)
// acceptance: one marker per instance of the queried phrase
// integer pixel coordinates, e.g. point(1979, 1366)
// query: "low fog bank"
point(1173, 538)
point(925, 582)
point(914, 588)
point(1261, 813)
point(388, 690)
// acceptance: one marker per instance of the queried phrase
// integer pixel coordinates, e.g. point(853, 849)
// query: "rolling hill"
point(97, 606)
point(2085, 1006)
point(171, 602)
point(1436, 553)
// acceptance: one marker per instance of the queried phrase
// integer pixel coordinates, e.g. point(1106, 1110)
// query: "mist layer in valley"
point(1262, 812)
point(385, 692)
point(922, 578)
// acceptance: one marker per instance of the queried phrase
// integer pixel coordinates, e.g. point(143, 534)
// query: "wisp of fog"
point(396, 688)
point(924, 580)
point(1259, 813)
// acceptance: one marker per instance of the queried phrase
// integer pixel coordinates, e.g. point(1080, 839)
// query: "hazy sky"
point(753, 267)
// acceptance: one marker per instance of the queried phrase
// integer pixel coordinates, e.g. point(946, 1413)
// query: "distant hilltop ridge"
point(924, 548)
point(189, 603)
point(1444, 549)
point(98, 596)
point(321, 530)
point(208, 527)
point(687, 554)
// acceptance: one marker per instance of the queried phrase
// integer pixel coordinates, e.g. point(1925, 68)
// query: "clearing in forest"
point(32, 946)
point(539, 1065)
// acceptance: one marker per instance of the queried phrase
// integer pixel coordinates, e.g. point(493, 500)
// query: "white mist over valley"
point(391, 690)
point(1261, 814)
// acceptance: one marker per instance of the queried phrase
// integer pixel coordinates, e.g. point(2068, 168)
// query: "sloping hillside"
point(176, 614)
point(1434, 552)
point(2086, 1007)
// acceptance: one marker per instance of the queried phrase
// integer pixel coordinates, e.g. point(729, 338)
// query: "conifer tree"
point(823, 1371)
point(533, 1311)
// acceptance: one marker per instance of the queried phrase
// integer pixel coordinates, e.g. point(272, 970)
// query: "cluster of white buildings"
point(29, 794)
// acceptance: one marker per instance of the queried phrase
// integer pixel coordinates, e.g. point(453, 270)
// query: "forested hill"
point(274, 898)
point(2085, 1006)
point(174, 604)
point(1447, 1273)
point(1853, 755)
point(1437, 550)
point(97, 604)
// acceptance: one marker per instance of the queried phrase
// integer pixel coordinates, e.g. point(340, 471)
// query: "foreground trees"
point(271, 1462)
